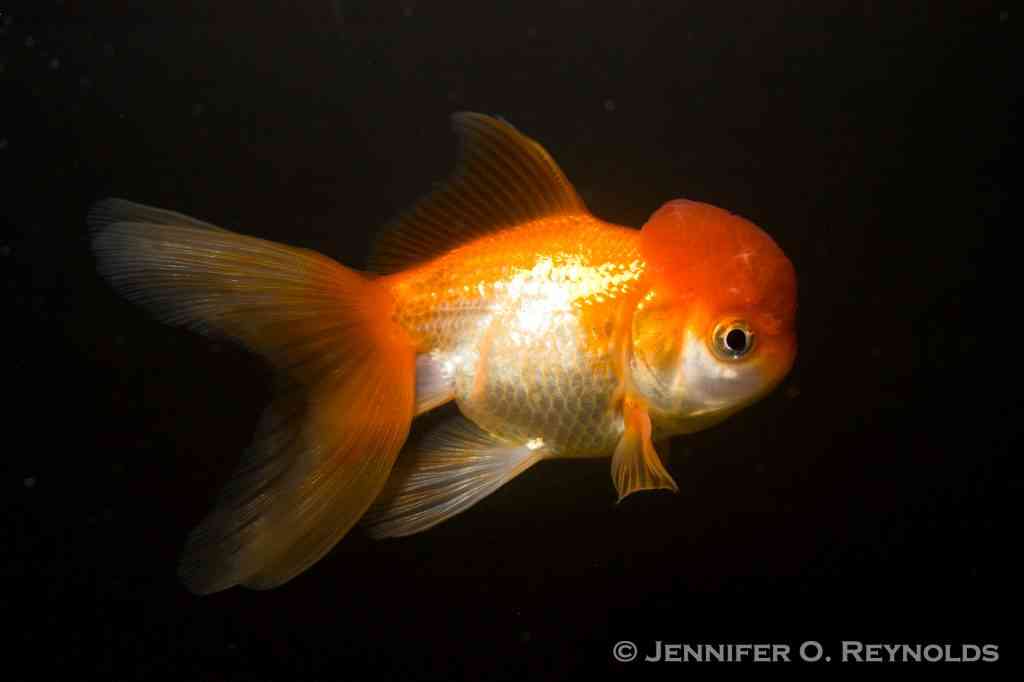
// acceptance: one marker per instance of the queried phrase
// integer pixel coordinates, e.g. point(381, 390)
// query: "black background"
point(868, 498)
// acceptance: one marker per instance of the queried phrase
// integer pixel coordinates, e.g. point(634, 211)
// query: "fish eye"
point(733, 340)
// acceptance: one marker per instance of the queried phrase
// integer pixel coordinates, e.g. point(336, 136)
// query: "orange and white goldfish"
point(557, 335)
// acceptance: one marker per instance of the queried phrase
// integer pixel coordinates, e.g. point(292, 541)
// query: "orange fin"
point(454, 467)
point(636, 465)
point(345, 396)
point(501, 178)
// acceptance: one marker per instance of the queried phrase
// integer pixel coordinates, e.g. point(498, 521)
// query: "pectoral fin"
point(636, 465)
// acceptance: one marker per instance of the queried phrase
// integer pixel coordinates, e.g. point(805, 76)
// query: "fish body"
point(526, 327)
point(557, 334)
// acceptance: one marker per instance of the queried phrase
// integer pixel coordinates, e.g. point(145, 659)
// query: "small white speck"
point(535, 443)
point(30, 481)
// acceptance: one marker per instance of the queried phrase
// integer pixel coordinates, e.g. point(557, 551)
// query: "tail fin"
point(325, 446)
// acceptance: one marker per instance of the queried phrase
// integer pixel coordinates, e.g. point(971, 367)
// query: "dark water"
point(867, 499)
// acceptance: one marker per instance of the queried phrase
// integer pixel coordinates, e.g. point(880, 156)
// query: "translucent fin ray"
point(502, 178)
point(109, 211)
point(454, 468)
point(636, 465)
point(345, 395)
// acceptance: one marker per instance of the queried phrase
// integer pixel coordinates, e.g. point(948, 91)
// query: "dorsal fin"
point(501, 178)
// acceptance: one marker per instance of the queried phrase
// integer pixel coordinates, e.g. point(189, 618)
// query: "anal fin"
point(455, 467)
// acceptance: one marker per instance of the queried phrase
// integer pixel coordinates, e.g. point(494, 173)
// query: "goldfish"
point(556, 334)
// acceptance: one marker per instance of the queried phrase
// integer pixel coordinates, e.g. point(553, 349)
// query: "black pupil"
point(736, 340)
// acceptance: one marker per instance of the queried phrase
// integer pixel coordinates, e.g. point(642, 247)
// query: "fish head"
point(715, 329)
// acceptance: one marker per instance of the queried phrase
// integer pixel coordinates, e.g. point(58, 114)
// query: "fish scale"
point(526, 334)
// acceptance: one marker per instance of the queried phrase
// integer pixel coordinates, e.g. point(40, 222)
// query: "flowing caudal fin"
point(326, 445)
